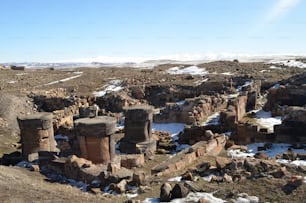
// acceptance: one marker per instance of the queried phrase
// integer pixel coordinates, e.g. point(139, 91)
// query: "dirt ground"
point(22, 185)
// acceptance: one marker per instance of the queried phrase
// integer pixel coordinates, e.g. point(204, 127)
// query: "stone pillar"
point(94, 137)
point(138, 130)
point(36, 132)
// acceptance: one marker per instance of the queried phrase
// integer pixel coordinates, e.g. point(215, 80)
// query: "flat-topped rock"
point(97, 126)
point(41, 120)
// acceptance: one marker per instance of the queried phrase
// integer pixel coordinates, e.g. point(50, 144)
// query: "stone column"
point(94, 136)
point(36, 132)
point(138, 130)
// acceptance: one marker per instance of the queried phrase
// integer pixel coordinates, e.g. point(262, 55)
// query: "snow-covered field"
point(113, 86)
point(289, 63)
point(192, 70)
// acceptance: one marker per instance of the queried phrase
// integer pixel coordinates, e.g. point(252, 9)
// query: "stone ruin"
point(95, 138)
point(36, 132)
point(138, 131)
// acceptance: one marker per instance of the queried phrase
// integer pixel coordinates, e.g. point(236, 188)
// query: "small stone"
point(34, 168)
point(187, 176)
point(228, 178)
point(261, 155)
point(203, 200)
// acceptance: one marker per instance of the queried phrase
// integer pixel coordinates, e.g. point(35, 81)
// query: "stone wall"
point(186, 157)
point(191, 111)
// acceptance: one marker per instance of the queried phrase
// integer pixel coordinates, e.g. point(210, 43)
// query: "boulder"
point(261, 155)
point(187, 176)
point(179, 191)
point(139, 178)
point(165, 192)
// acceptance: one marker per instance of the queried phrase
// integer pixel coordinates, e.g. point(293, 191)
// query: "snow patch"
point(191, 197)
point(175, 179)
point(265, 119)
point(290, 63)
point(214, 119)
point(275, 67)
point(113, 86)
point(192, 70)
point(227, 73)
point(63, 80)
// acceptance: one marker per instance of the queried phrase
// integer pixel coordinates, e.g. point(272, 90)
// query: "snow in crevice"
point(213, 119)
point(112, 86)
point(191, 70)
point(175, 179)
point(64, 80)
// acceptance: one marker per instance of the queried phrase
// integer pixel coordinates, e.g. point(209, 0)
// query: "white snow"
point(192, 70)
point(262, 71)
point(113, 86)
point(12, 82)
point(191, 197)
point(199, 82)
point(272, 152)
point(265, 119)
point(236, 153)
point(175, 179)
point(181, 103)
point(21, 74)
point(290, 63)
point(174, 129)
point(227, 73)
point(130, 195)
point(305, 179)
point(246, 84)
point(208, 178)
point(214, 119)
point(63, 80)
point(275, 67)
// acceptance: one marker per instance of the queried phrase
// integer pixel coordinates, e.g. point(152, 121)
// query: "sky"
point(105, 30)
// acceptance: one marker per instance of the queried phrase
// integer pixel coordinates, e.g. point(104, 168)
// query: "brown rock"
point(34, 168)
point(179, 191)
point(221, 162)
point(261, 155)
point(187, 176)
point(203, 200)
point(228, 178)
point(139, 178)
point(121, 186)
point(165, 192)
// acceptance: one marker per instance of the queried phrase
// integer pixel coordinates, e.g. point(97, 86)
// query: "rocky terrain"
point(223, 131)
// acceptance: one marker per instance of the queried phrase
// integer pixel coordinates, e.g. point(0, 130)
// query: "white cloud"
point(280, 8)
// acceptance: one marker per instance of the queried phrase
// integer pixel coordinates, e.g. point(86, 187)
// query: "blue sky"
point(61, 30)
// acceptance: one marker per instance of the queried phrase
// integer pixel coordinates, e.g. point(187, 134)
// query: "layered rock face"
point(138, 130)
point(36, 132)
point(94, 137)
